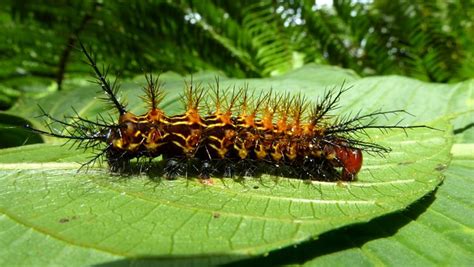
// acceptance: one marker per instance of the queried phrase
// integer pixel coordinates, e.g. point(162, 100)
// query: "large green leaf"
point(111, 217)
point(436, 230)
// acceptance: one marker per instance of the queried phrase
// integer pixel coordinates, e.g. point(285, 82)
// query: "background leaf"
point(427, 40)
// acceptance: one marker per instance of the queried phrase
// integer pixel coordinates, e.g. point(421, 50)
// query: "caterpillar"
point(243, 133)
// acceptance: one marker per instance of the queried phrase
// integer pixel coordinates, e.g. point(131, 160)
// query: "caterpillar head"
point(350, 159)
point(341, 154)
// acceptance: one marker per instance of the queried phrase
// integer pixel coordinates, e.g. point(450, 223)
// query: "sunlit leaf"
point(144, 217)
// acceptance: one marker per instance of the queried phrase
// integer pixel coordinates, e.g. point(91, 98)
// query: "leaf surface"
point(146, 217)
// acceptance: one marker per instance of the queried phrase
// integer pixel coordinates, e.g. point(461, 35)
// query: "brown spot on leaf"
point(68, 219)
point(216, 215)
point(63, 220)
point(406, 163)
point(441, 167)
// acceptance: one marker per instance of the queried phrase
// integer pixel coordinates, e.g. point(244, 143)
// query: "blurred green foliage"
point(427, 40)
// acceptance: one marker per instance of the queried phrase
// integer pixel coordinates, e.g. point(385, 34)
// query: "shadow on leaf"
point(354, 236)
point(345, 238)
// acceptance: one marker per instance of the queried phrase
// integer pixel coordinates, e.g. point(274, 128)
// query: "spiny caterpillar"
point(241, 135)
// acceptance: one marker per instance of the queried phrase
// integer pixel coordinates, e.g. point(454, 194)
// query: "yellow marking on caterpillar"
point(137, 133)
point(277, 155)
point(117, 143)
point(220, 151)
point(180, 145)
point(215, 138)
point(260, 152)
point(180, 136)
point(133, 146)
point(331, 156)
point(214, 125)
point(243, 153)
point(291, 154)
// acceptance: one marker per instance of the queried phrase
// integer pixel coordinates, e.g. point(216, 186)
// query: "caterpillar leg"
point(206, 169)
point(118, 162)
point(175, 167)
